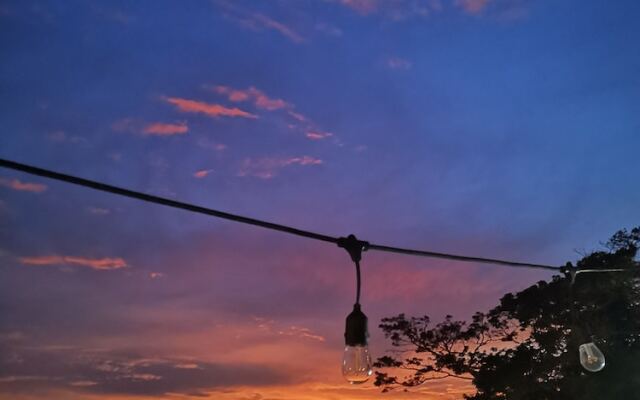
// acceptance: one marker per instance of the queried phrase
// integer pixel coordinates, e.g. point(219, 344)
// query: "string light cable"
point(103, 187)
point(356, 362)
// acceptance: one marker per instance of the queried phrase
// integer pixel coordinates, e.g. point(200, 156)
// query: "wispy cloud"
point(270, 326)
point(208, 144)
point(101, 264)
point(212, 110)
point(328, 29)
point(268, 167)
point(318, 135)
point(396, 10)
point(164, 129)
point(62, 137)
point(256, 96)
point(472, 6)
point(98, 210)
point(156, 275)
point(203, 173)
point(398, 63)
point(18, 185)
point(261, 100)
point(258, 22)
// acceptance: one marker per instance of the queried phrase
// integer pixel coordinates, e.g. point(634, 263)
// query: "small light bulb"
point(356, 360)
point(356, 364)
point(591, 357)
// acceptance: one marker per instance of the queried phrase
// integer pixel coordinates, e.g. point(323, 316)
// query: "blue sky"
point(499, 128)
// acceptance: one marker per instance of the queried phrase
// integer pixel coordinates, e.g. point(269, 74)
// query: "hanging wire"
point(103, 187)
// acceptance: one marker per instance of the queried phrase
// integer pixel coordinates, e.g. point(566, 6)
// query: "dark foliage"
point(526, 348)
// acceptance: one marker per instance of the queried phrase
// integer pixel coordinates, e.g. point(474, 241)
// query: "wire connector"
point(353, 246)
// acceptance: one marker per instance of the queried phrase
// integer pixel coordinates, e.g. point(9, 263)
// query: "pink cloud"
point(396, 10)
point(18, 185)
point(163, 129)
point(267, 168)
point(472, 6)
point(202, 173)
point(259, 22)
point(102, 264)
point(398, 63)
point(212, 110)
point(318, 135)
point(259, 98)
point(284, 30)
point(297, 116)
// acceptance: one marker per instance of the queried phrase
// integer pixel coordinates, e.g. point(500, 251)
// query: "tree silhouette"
point(526, 348)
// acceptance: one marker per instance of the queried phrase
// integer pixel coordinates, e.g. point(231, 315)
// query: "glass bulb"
point(356, 364)
point(591, 357)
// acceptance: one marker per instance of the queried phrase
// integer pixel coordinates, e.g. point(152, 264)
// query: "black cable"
point(161, 200)
point(251, 221)
point(357, 282)
point(424, 253)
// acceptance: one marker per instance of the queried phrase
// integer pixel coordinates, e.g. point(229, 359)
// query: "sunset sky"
point(496, 128)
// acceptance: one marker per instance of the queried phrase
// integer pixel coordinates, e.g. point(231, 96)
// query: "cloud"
point(363, 7)
point(270, 326)
point(258, 22)
point(210, 145)
point(396, 10)
point(156, 275)
point(20, 186)
point(328, 29)
point(268, 167)
point(472, 6)
point(202, 173)
point(398, 63)
point(259, 98)
point(117, 373)
point(61, 137)
point(101, 264)
point(212, 110)
point(163, 129)
point(98, 210)
point(318, 135)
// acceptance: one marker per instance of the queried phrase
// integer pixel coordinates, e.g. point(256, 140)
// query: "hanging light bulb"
point(591, 357)
point(356, 361)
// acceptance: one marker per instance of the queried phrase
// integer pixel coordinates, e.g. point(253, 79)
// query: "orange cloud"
point(318, 135)
point(202, 173)
point(18, 185)
point(212, 110)
point(162, 129)
point(267, 168)
point(260, 99)
point(472, 6)
point(102, 264)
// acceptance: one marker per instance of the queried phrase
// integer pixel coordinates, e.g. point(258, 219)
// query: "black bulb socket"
point(356, 331)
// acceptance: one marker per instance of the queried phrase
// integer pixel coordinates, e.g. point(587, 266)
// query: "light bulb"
point(356, 360)
point(356, 364)
point(591, 357)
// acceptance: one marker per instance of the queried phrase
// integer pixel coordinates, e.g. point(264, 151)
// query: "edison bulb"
point(356, 364)
point(591, 357)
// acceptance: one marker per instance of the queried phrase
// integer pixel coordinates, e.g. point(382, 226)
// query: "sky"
point(495, 128)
